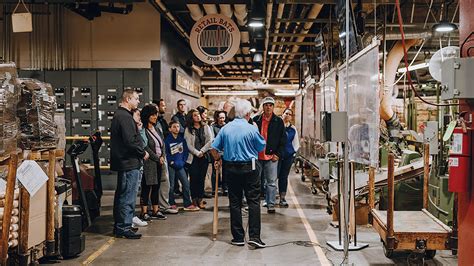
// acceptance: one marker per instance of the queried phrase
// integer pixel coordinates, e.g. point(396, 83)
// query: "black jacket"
point(164, 126)
point(276, 138)
point(126, 147)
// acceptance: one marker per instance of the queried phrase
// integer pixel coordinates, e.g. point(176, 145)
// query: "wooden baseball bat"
point(216, 197)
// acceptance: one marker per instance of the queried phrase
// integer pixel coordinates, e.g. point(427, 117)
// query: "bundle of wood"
point(9, 96)
point(36, 113)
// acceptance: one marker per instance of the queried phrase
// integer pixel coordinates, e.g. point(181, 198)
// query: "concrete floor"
point(185, 239)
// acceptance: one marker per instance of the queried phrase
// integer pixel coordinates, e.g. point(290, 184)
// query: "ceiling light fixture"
point(445, 27)
point(256, 24)
point(257, 57)
point(257, 70)
point(253, 50)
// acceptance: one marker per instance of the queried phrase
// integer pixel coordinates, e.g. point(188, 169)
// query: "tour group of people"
point(155, 158)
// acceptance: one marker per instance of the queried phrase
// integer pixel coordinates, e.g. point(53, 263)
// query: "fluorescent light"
point(230, 93)
point(257, 70)
point(413, 67)
point(256, 24)
point(444, 27)
point(253, 50)
point(342, 34)
point(292, 94)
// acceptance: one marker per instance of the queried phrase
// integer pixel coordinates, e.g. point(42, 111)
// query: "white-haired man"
point(240, 143)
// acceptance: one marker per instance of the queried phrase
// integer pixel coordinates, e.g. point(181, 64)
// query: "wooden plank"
point(445, 227)
point(371, 187)
point(24, 222)
point(50, 197)
point(413, 222)
point(391, 195)
point(434, 241)
point(8, 207)
point(426, 174)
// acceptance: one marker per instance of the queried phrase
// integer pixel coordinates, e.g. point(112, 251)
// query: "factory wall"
point(108, 41)
point(174, 54)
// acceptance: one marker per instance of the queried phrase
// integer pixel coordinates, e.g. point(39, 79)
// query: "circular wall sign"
point(215, 39)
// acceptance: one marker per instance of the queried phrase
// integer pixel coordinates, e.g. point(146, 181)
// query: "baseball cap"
point(268, 100)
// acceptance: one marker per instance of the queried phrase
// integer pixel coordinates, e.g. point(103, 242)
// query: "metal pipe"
point(280, 10)
point(267, 32)
point(313, 13)
point(240, 12)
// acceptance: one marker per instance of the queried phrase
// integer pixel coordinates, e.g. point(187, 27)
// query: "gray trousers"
point(164, 187)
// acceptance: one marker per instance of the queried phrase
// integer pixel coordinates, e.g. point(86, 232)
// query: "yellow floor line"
point(99, 252)
point(319, 251)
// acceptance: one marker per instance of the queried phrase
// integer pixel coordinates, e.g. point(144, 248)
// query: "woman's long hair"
point(147, 111)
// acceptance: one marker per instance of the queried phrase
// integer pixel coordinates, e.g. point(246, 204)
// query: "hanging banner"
point(215, 39)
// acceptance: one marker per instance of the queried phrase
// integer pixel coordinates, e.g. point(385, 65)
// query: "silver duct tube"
point(313, 13)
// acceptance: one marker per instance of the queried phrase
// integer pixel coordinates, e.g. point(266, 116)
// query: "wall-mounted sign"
point(185, 84)
point(215, 39)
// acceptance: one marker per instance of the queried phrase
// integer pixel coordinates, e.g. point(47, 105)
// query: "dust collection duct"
point(393, 61)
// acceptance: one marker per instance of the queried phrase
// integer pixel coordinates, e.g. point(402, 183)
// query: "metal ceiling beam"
point(292, 35)
point(182, 2)
point(331, 2)
point(286, 53)
point(302, 20)
point(294, 43)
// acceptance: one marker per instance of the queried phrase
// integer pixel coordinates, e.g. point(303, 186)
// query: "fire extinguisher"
point(460, 160)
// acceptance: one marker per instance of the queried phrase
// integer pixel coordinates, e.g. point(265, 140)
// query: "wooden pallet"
point(43, 154)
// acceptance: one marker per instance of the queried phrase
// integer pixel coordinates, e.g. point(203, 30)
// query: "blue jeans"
point(284, 167)
point(269, 176)
point(124, 199)
point(179, 174)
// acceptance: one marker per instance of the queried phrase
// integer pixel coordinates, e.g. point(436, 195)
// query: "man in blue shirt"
point(240, 143)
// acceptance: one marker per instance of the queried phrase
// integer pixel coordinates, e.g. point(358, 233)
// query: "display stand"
point(338, 245)
point(12, 162)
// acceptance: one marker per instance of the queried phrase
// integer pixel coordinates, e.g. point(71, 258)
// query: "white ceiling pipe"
point(267, 32)
point(195, 10)
point(240, 12)
point(217, 83)
point(313, 13)
point(210, 9)
point(283, 39)
point(226, 10)
point(280, 10)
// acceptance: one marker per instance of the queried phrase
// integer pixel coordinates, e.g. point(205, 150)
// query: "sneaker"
point(159, 216)
point(239, 243)
point(191, 208)
point(271, 209)
point(170, 211)
point(134, 229)
point(202, 204)
point(256, 243)
point(225, 193)
point(128, 235)
point(264, 204)
point(145, 217)
point(283, 203)
point(138, 223)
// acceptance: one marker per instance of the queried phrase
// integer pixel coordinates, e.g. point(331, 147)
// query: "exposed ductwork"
point(393, 61)
point(170, 17)
point(195, 11)
point(313, 13)
point(268, 22)
point(226, 10)
point(240, 12)
point(210, 9)
point(281, 8)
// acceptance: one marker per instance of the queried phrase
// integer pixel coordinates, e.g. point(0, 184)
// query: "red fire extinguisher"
point(460, 160)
